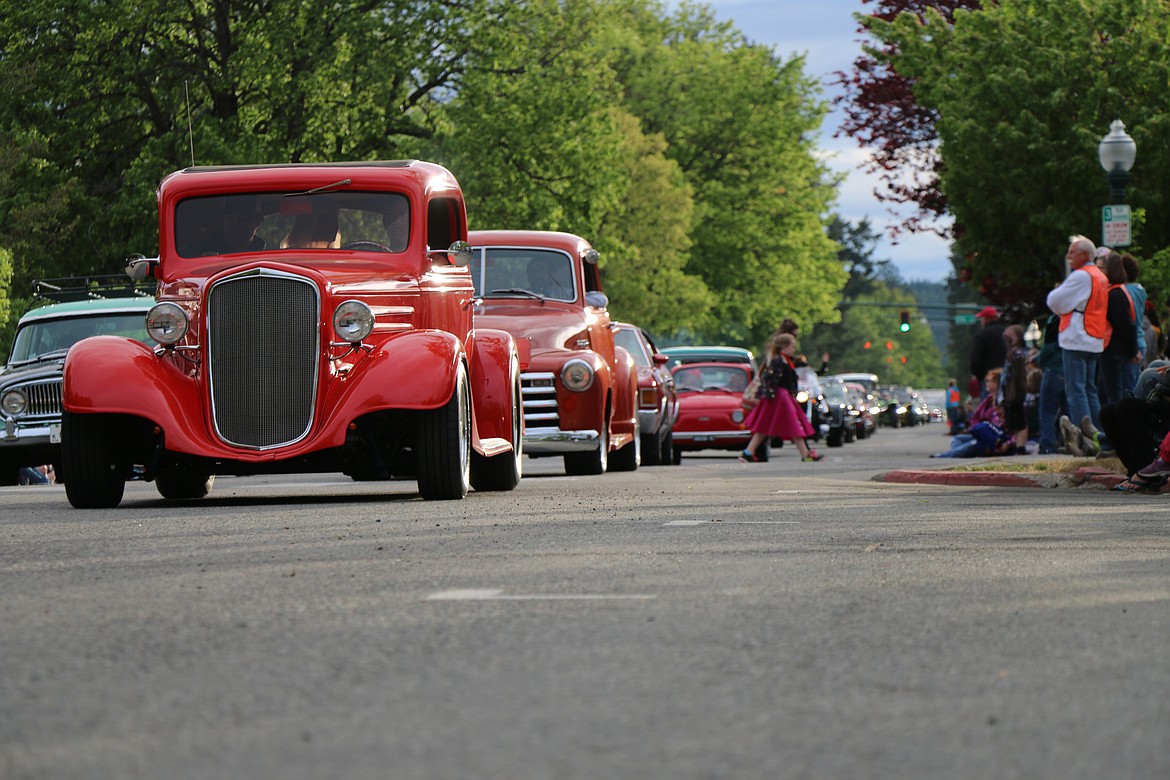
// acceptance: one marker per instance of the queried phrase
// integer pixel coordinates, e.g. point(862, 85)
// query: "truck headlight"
point(577, 375)
point(166, 323)
point(353, 321)
point(14, 402)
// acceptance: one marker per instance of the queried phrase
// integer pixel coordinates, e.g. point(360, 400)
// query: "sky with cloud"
point(825, 32)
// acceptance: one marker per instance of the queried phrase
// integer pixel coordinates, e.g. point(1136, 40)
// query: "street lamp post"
point(1116, 153)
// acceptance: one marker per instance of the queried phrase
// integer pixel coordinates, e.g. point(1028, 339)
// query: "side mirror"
point(659, 359)
point(139, 267)
point(597, 299)
point(460, 253)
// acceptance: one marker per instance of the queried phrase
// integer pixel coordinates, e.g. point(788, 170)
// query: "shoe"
point(1159, 469)
point(1089, 446)
point(1088, 428)
point(748, 457)
point(1136, 484)
point(1072, 437)
point(812, 457)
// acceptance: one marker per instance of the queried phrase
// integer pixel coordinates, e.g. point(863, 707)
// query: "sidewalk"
point(1090, 476)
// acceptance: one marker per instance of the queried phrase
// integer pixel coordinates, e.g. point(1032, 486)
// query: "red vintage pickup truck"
point(309, 318)
point(579, 388)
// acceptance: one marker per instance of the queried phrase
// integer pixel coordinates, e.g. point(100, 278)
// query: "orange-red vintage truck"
point(309, 318)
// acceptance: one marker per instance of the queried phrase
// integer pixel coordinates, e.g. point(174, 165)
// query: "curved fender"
point(116, 375)
point(492, 365)
point(412, 371)
point(625, 391)
point(579, 411)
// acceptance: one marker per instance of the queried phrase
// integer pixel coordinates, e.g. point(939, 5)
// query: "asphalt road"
point(711, 620)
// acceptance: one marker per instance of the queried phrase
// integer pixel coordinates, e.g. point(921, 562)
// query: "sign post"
point(1115, 226)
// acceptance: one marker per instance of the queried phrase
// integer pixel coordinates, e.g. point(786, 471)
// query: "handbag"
point(751, 394)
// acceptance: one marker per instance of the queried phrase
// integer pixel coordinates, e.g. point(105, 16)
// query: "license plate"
point(704, 437)
point(55, 434)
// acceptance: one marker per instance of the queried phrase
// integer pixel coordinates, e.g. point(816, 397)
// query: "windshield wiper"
point(322, 188)
point(516, 291)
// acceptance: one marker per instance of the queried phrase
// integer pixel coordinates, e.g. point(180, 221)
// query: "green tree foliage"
point(679, 149)
point(1023, 91)
point(870, 315)
point(738, 121)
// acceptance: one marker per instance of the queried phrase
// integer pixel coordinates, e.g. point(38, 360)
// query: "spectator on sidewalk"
point(1121, 352)
point(1081, 301)
point(1052, 404)
point(987, 349)
point(1013, 387)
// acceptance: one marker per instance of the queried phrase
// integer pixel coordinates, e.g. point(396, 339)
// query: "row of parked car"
point(341, 317)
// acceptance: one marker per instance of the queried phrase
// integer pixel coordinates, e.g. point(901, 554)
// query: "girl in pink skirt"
point(777, 414)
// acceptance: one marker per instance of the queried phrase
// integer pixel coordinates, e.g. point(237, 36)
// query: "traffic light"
point(905, 326)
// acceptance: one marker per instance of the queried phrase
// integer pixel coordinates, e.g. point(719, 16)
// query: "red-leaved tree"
point(881, 114)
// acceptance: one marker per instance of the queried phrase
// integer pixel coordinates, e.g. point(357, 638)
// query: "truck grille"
point(263, 343)
point(539, 392)
point(44, 398)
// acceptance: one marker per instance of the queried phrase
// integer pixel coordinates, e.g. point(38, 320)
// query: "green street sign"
point(1115, 226)
point(964, 319)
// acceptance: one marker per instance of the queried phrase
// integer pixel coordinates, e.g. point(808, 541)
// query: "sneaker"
point(812, 457)
point(747, 456)
point(1088, 428)
point(1072, 437)
point(1159, 469)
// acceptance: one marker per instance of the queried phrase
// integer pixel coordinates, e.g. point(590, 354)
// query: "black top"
point(988, 350)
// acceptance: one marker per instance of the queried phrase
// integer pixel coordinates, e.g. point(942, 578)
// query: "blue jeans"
point(1080, 385)
point(1051, 405)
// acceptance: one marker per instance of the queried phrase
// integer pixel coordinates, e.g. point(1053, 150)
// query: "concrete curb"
point(966, 478)
point(1085, 476)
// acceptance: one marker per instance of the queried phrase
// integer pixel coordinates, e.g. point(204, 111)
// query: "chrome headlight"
point(802, 397)
point(166, 323)
point(353, 321)
point(737, 416)
point(577, 375)
point(14, 402)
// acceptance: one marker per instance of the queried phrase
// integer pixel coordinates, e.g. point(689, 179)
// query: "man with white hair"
point(1081, 301)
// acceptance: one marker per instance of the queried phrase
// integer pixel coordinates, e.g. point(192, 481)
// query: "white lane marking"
point(732, 522)
point(486, 594)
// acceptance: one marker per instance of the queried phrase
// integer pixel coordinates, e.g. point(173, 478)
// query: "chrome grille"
point(44, 398)
point(539, 393)
point(263, 344)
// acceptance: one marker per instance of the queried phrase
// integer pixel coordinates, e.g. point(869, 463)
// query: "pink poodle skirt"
point(780, 417)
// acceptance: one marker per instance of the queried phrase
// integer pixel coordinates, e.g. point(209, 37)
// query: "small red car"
point(657, 400)
point(711, 413)
point(310, 318)
point(580, 389)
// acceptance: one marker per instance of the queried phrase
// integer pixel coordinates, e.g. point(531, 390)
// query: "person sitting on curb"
point(986, 435)
point(1152, 476)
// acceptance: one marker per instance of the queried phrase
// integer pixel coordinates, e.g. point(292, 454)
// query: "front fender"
point(494, 373)
point(116, 375)
point(625, 393)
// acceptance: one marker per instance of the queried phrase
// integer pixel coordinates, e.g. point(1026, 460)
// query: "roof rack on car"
point(86, 288)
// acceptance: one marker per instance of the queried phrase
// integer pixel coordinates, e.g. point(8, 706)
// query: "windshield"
point(225, 224)
point(523, 272)
point(702, 379)
point(629, 341)
point(46, 337)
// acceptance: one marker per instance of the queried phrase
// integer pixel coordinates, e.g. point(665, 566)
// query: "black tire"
point(651, 449)
point(629, 457)
point(835, 437)
point(503, 472)
point(677, 458)
point(96, 478)
point(9, 474)
point(586, 463)
point(863, 432)
point(668, 456)
point(444, 446)
point(180, 487)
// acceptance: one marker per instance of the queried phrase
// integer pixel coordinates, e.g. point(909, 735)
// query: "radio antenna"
point(190, 129)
